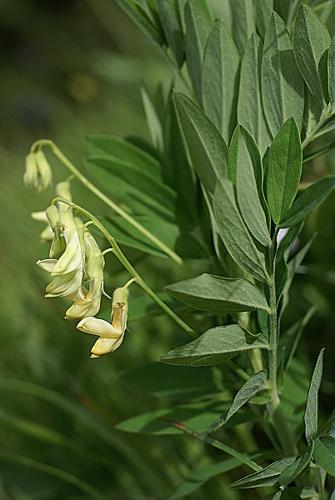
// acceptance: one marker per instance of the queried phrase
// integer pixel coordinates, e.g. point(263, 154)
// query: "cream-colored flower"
point(110, 334)
point(38, 173)
point(68, 269)
point(87, 301)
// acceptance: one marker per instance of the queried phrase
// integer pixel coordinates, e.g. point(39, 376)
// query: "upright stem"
point(279, 419)
point(99, 194)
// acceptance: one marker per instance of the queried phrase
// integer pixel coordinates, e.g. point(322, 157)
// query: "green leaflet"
point(234, 232)
point(331, 72)
point(201, 475)
point(153, 122)
point(248, 172)
point(263, 10)
point(243, 22)
point(249, 109)
point(142, 19)
point(178, 171)
point(253, 151)
point(219, 79)
point(284, 170)
point(311, 412)
point(253, 386)
point(271, 472)
point(324, 453)
point(170, 18)
point(311, 198)
point(215, 346)
point(282, 84)
point(206, 146)
point(310, 41)
point(218, 294)
point(198, 26)
point(124, 151)
point(294, 470)
point(128, 184)
point(170, 234)
point(160, 422)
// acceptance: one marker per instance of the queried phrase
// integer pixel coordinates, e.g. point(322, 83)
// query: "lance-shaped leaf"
point(170, 18)
point(153, 122)
point(253, 151)
point(248, 168)
point(123, 151)
point(271, 472)
point(200, 475)
point(253, 386)
point(198, 26)
point(282, 84)
point(160, 422)
point(139, 190)
point(331, 72)
point(243, 21)
point(142, 18)
point(324, 453)
point(294, 470)
point(215, 346)
point(234, 232)
point(178, 171)
point(284, 170)
point(206, 146)
point(310, 41)
point(219, 79)
point(263, 12)
point(220, 295)
point(311, 412)
point(249, 110)
point(311, 198)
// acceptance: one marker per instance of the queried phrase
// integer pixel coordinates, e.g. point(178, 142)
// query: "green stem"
point(279, 419)
point(244, 459)
point(105, 199)
point(128, 266)
point(326, 115)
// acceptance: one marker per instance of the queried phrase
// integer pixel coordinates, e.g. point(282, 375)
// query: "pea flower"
point(87, 301)
point(110, 334)
point(38, 173)
point(67, 270)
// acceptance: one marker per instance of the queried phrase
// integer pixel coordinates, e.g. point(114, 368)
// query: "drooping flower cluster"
point(76, 266)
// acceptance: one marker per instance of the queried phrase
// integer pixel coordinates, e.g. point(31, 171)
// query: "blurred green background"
point(70, 68)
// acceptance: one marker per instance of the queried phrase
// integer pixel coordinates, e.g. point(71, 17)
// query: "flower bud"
point(63, 190)
point(44, 171)
point(30, 177)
